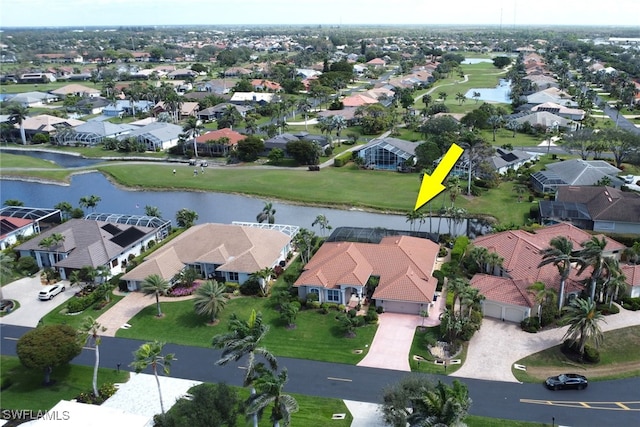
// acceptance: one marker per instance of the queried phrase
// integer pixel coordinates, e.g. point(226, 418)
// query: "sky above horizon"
point(508, 13)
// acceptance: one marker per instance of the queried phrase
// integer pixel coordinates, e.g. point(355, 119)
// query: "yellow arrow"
point(432, 185)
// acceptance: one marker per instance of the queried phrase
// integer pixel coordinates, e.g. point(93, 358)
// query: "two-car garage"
point(503, 311)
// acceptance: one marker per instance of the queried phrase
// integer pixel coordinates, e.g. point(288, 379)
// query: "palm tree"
point(156, 285)
point(323, 222)
point(560, 253)
point(338, 123)
point(476, 148)
point(244, 339)
point(17, 114)
point(268, 214)
point(65, 208)
point(495, 122)
point(263, 277)
point(90, 201)
point(74, 278)
point(443, 96)
point(583, 318)
point(460, 98)
point(592, 255)
point(191, 130)
point(492, 261)
point(185, 218)
point(90, 331)
point(444, 406)
point(150, 354)
point(53, 241)
point(304, 106)
point(476, 96)
point(542, 296)
point(210, 299)
point(152, 211)
point(269, 391)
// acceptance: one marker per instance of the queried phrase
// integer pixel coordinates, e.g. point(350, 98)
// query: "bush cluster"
point(78, 304)
point(632, 304)
point(106, 390)
point(571, 350)
point(530, 324)
point(183, 291)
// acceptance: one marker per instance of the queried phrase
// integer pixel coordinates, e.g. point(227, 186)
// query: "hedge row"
point(342, 159)
point(76, 305)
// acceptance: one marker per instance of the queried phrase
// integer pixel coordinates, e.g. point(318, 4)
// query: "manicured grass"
point(27, 392)
point(476, 421)
point(619, 358)
point(8, 160)
point(313, 411)
point(316, 336)
point(421, 339)
point(57, 317)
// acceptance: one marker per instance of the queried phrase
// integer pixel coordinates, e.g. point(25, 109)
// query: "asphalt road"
point(606, 403)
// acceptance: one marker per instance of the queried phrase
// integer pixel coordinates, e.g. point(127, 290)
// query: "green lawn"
point(619, 358)
point(57, 316)
point(316, 336)
point(419, 347)
point(26, 390)
point(23, 161)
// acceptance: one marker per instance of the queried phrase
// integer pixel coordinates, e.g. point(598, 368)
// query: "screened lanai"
point(387, 153)
point(163, 225)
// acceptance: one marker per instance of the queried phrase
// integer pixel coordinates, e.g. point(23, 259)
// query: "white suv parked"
point(48, 292)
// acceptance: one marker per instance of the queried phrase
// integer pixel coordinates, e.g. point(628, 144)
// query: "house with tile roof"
point(632, 273)
point(574, 172)
point(404, 265)
point(13, 228)
point(596, 208)
point(44, 123)
point(32, 99)
point(225, 252)
point(76, 90)
point(209, 144)
point(552, 94)
point(506, 293)
point(89, 243)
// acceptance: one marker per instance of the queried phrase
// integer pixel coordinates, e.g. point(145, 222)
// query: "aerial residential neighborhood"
point(365, 219)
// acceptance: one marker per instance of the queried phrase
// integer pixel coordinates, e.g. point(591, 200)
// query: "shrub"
point(606, 310)
point(183, 291)
point(371, 316)
point(250, 287)
point(231, 287)
point(313, 304)
point(342, 159)
point(380, 309)
point(324, 308)
point(27, 265)
point(312, 297)
point(352, 312)
point(530, 324)
point(290, 277)
point(629, 303)
point(468, 329)
point(459, 247)
point(341, 307)
point(591, 354)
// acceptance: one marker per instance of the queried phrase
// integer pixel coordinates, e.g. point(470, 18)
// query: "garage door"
point(401, 307)
point(490, 309)
point(514, 314)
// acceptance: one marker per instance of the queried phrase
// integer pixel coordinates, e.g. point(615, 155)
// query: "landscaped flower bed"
point(183, 291)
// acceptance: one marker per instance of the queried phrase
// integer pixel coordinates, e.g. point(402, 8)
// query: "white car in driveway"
point(50, 291)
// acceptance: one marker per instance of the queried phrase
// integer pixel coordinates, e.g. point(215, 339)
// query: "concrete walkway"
point(498, 345)
point(392, 343)
point(133, 303)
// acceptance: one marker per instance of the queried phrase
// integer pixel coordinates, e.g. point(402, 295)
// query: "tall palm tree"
point(155, 285)
point(493, 260)
point(269, 392)
point(210, 299)
point(263, 277)
point(542, 296)
point(592, 255)
point(322, 222)
point(583, 320)
point(561, 254)
point(268, 214)
point(191, 129)
point(244, 339)
point(17, 114)
point(150, 354)
point(90, 331)
point(495, 122)
point(476, 149)
point(338, 123)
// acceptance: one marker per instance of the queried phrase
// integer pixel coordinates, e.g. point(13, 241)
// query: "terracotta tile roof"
point(521, 252)
point(632, 273)
point(10, 224)
point(358, 100)
point(233, 136)
point(404, 265)
point(503, 289)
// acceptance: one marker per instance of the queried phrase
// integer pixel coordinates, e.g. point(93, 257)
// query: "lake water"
point(62, 160)
point(500, 93)
point(211, 207)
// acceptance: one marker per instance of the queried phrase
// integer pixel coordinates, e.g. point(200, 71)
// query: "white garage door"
point(512, 314)
point(401, 307)
point(490, 309)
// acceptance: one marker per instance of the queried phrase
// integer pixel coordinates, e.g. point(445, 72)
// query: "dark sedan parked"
point(566, 381)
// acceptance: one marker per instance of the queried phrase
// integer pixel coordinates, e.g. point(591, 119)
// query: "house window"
point(114, 263)
point(314, 291)
point(333, 295)
point(233, 276)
